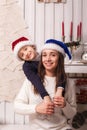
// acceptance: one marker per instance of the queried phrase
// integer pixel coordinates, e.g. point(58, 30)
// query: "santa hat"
point(19, 43)
point(57, 45)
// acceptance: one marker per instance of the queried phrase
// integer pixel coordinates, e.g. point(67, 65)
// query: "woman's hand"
point(45, 108)
point(59, 102)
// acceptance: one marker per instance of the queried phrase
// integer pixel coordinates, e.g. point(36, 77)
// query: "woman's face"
point(50, 60)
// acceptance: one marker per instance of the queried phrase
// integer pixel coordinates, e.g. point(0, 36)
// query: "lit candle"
point(62, 29)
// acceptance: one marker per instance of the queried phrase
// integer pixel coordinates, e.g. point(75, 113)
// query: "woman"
point(52, 116)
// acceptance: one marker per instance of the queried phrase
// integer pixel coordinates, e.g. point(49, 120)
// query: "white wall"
point(44, 20)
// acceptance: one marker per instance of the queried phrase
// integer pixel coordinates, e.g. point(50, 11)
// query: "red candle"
point(62, 29)
point(80, 30)
point(77, 32)
point(71, 29)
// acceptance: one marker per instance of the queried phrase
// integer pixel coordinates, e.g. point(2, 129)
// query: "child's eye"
point(43, 55)
point(25, 48)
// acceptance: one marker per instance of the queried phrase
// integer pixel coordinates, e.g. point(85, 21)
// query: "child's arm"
point(31, 72)
point(60, 89)
point(59, 93)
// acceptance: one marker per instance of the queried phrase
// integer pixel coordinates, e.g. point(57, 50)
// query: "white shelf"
point(75, 67)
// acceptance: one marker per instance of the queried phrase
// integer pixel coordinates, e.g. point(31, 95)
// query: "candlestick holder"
point(73, 45)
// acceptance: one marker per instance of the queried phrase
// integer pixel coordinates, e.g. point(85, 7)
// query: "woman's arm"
point(21, 103)
point(44, 108)
point(23, 106)
point(71, 107)
point(68, 104)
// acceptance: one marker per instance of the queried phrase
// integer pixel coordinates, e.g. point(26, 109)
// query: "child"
point(24, 49)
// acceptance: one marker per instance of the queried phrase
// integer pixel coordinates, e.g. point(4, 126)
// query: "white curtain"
point(12, 26)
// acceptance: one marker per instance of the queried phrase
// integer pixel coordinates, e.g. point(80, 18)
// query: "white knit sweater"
point(26, 102)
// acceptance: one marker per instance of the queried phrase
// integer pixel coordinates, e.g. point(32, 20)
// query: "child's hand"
point(59, 102)
point(47, 100)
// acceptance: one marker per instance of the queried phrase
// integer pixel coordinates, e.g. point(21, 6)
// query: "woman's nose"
point(48, 58)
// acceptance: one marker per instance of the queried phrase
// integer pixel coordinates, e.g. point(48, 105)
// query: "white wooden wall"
point(44, 22)
point(8, 116)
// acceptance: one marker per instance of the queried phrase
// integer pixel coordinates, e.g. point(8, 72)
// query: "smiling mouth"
point(48, 64)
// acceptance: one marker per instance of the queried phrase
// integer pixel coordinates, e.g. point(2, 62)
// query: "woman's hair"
point(59, 72)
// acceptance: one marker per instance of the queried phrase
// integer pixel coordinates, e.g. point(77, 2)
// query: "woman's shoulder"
point(27, 86)
point(27, 83)
point(70, 81)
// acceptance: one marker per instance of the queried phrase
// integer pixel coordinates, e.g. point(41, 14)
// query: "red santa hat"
point(19, 43)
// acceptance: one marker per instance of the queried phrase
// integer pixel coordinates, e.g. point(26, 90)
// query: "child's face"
point(27, 53)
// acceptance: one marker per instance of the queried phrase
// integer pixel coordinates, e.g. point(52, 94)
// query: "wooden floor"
point(14, 127)
point(26, 127)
